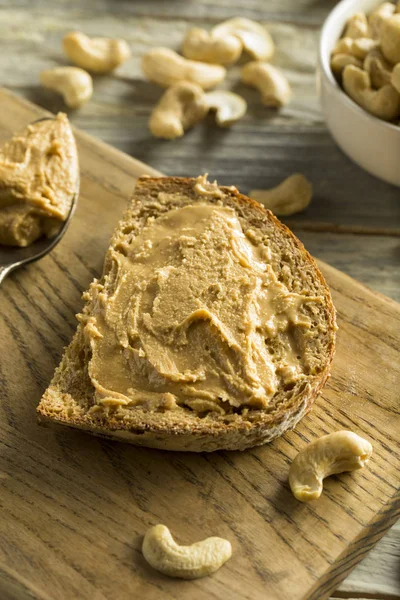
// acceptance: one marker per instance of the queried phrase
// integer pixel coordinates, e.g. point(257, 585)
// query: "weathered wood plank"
point(307, 11)
point(378, 574)
point(373, 260)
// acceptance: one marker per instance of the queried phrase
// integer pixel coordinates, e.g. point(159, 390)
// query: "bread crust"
point(171, 430)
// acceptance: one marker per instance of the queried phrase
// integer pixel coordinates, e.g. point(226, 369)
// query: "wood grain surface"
point(74, 508)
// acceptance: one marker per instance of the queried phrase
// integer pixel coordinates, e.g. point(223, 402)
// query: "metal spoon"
point(12, 257)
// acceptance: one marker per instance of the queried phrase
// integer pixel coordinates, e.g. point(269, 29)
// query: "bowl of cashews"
point(358, 81)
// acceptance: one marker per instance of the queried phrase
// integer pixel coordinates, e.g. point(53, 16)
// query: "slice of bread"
point(71, 397)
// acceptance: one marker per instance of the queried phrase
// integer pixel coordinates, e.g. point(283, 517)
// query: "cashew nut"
point(331, 454)
point(361, 46)
point(201, 45)
point(181, 106)
point(229, 107)
point(357, 26)
point(99, 55)
point(358, 47)
point(383, 103)
point(187, 562)
point(255, 38)
point(291, 196)
point(344, 45)
point(395, 78)
point(379, 69)
point(390, 38)
point(377, 16)
point(340, 61)
point(74, 84)
point(166, 67)
point(273, 85)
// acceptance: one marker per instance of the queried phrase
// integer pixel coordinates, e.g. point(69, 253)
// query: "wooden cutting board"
point(74, 508)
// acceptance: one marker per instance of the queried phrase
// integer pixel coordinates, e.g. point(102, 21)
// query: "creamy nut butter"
point(39, 175)
point(185, 315)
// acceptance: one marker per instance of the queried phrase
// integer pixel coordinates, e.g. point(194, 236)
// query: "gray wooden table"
point(353, 222)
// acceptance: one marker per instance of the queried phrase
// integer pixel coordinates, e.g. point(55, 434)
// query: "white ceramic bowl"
point(370, 142)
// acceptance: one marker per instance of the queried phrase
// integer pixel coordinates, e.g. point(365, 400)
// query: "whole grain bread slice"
point(69, 399)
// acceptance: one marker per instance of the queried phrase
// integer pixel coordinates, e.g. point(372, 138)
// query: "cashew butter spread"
point(183, 317)
point(39, 176)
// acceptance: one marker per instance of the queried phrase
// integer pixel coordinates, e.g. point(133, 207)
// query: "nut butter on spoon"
point(39, 187)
